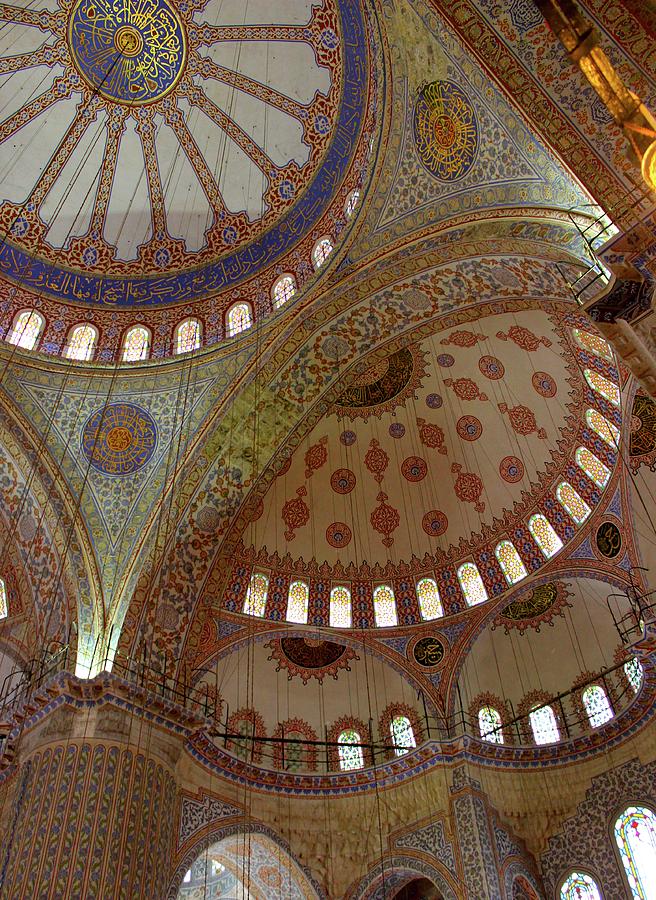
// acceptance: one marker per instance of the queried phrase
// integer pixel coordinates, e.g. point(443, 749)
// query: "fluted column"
point(92, 809)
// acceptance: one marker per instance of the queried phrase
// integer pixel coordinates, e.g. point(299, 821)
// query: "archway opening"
point(419, 889)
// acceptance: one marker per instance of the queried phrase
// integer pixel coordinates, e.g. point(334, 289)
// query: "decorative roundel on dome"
point(338, 535)
point(428, 652)
point(342, 481)
point(446, 130)
point(435, 523)
point(310, 658)
point(129, 53)
point(176, 193)
point(380, 387)
point(609, 540)
point(511, 469)
point(469, 428)
point(414, 469)
point(119, 438)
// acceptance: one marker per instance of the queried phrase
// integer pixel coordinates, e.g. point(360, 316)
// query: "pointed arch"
point(82, 342)
point(471, 584)
point(635, 835)
point(27, 329)
point(340, 607)
point(239, 318)
point(283, 290)
point(322, 250)
point(256, 595)
point(136, 344)
point(544, 535)
point(510, 561)
point(187, 336)
point(298, 599)
point(385, 607)
point(572, 502)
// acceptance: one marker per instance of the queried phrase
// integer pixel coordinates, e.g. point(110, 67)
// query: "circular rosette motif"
point(338, 535)
point(435, 523)
point(342, 481)
point(511, 469)
point(469, 428)
point(129, 53)
point(544, 384)
point(119, 438)
point(414, 468)
point(446, 130)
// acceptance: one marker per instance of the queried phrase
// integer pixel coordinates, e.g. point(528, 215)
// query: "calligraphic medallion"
point(119, 438)
point(428, 652)
point(609, 540)
point(446, 130)
point(130, 53)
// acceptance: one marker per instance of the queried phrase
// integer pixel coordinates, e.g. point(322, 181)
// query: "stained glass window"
point(471, 584)
point(81, 342)
point(321, 252)
point(544, 535)
point(597, 706)
point(242, 748)
point(240, 318)
point(294, 752)
point(489, 725)
point(403, 737)
point(297, 602)
point(187, 336)
point(593, 467)
point(4, 611)
point(351, 202)
point(283, 290)
point(511, 562)
point(256, 596)
point(340, 607)
point(384, 606)
point(572, 502)
point(350, 757)
point(28, 326)
point(136, 344)
point(594, 343)
point(603, 386)
point(428, 595)
point(579, 886)
point(605, 429)
point(635, 833)
point(634, 673)
point(544, 725)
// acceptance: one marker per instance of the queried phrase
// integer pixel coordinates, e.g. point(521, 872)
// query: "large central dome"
point(163, 152)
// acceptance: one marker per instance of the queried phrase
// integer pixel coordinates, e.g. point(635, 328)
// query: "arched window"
point(187, 336)
point(27, 329)
point(256, 596)
point(544, 535)
point(297, 602)
point(351, 203)
point(544, 725)
point(471, 584)
point(403, 737)
point(605, 429)
point(340, 607)
point(350, 756)
point(593, 343)
point(321, 252)
point(490, 725)
point(572, 502)
point(428, 596)
point(384, 606)
point(4, 607)
point(634, 673)
point(579, 886)
point(82, 341)
point(597, 705)
point(593, 467)
point(283, 290)
point(136, 344)
point(635, 833)
point(603, 386)
point(240, 318)
point(511, 562)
